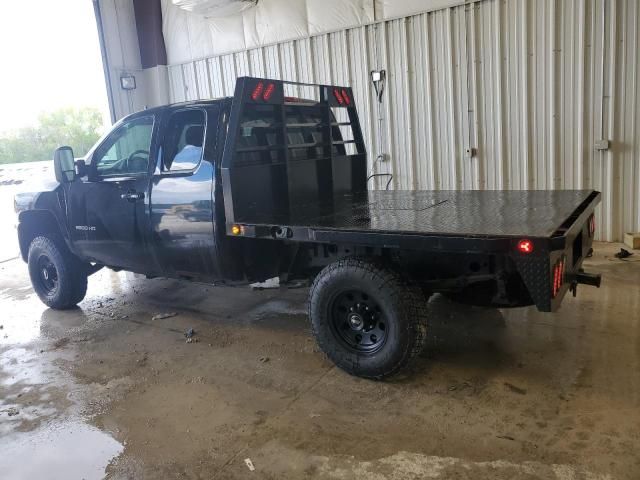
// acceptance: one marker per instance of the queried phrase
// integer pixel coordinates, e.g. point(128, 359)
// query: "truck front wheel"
point(59, 279)
point(366, 318)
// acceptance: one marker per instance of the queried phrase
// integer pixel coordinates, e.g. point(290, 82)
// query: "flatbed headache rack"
point(321, 195)
point(289, 144)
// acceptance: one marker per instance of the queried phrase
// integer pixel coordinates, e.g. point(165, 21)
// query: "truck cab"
point(145, 201)
point(144, 197)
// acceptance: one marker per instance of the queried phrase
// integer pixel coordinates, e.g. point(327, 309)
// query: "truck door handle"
point(132, 195)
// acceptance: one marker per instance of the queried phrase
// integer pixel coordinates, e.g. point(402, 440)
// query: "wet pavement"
point(112, 389)
point(104, 390)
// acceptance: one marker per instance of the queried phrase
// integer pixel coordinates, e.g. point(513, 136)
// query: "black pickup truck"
point(273, 183)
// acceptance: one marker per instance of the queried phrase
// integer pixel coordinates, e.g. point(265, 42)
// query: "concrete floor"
point(105, 389)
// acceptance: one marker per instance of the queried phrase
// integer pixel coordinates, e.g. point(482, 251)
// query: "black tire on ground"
point(59, 278)
point(366, 318)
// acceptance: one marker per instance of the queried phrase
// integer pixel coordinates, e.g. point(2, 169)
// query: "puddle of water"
point(22, 366)
point(25, 318)
point(44, 432)
point(58, 451)
point(21, 322)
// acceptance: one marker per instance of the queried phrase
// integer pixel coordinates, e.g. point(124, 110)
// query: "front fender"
point(41, 213)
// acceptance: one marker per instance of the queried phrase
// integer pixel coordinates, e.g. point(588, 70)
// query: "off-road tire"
point(402, 305)
point(71, 283)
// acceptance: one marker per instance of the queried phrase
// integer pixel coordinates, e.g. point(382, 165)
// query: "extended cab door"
point(108, 208)
point(182, 205)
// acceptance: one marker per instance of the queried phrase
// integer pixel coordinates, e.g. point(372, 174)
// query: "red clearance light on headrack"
point(592, 225)
point(257, 91)
point(346, 97)
point(268, 91)
point(338, 95)
point(525, 246)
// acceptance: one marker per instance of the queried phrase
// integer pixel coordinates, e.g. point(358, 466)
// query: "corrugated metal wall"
point(498, 94)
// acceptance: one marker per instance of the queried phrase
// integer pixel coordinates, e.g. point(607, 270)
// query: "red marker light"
point(525, 246)
point(336, 93)
point(257, 91)
point(268, 92)
point(346, 97)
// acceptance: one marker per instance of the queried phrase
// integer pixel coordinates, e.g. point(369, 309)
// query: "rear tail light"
point(268, 92)
point(338, 95)
point(558, 276)
point(592, 225)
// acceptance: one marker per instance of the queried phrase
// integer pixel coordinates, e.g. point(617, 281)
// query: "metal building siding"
point(499, 94)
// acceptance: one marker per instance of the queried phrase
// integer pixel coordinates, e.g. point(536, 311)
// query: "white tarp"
point(275, 21)
point(330, 15)
point(228, 33)
point(186, 34)
point(195, 29)
point(215, 8)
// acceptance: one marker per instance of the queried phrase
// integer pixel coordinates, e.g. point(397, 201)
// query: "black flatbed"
point(499, 213)
point(287, 174)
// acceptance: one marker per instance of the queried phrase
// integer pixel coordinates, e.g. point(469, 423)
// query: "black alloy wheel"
point(47, 274)
point(358, 321)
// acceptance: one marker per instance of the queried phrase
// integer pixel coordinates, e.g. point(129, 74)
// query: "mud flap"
point(535, 272)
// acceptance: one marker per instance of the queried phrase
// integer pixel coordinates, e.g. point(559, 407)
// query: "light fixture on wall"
point(128, 82)
point(378, 78)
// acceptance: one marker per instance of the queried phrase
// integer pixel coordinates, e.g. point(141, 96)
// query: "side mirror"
point(64, 165)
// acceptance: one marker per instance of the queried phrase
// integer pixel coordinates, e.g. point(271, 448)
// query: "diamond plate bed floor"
point(535, 213)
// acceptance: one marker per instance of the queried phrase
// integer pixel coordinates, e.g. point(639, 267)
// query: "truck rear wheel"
point(366, 318)
point(59, 279)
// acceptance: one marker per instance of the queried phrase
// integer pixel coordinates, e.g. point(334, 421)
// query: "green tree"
point(79, 128)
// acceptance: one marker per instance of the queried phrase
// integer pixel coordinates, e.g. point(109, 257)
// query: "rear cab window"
point(183, 142)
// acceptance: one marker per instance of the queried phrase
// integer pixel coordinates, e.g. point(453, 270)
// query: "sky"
point(49, 58)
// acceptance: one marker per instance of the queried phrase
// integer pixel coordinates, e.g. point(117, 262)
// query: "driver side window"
point(126, 150)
